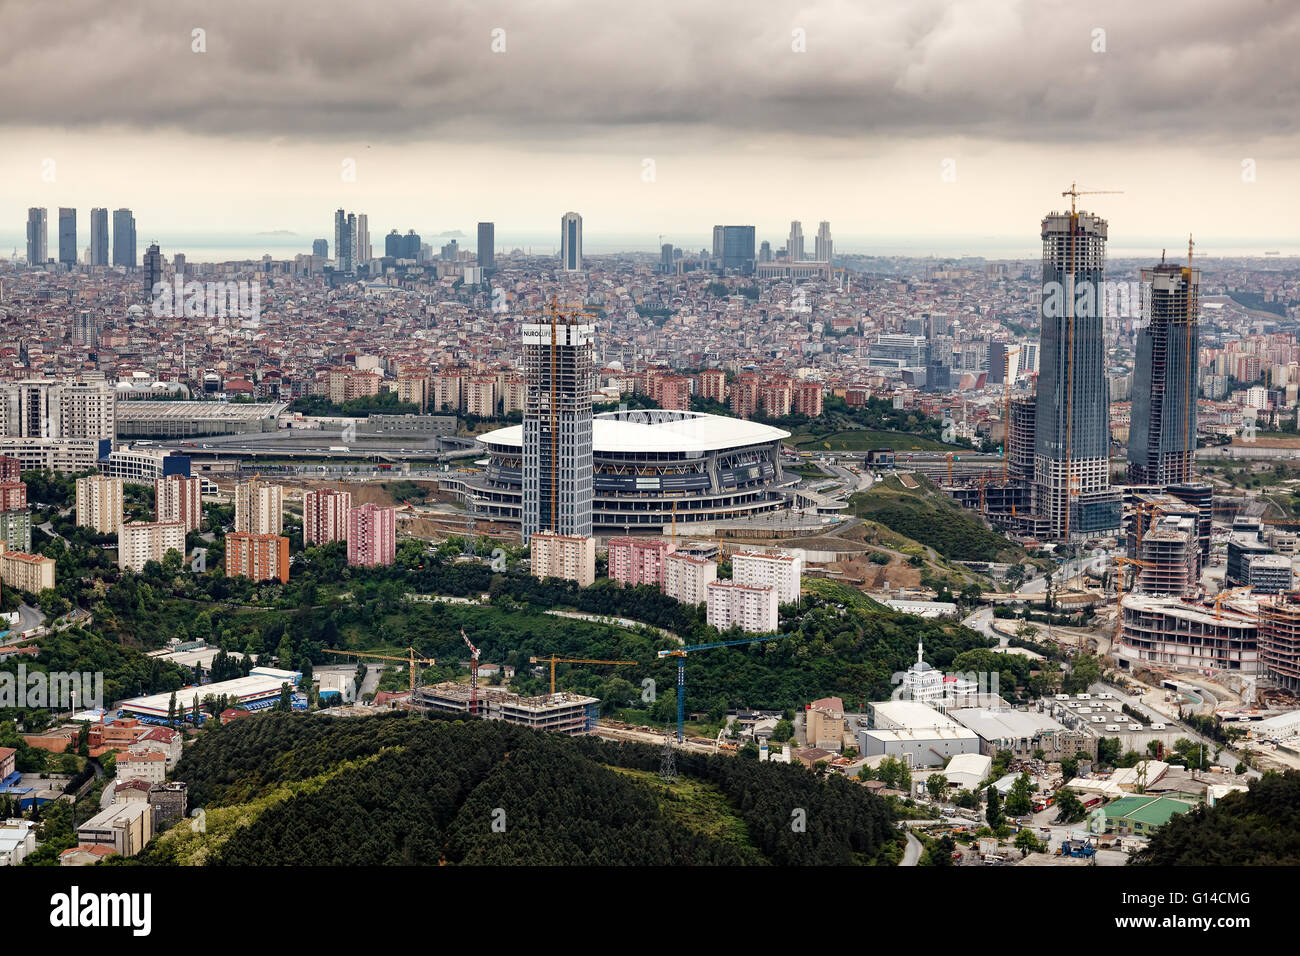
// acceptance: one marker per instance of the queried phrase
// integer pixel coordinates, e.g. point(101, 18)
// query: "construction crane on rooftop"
point(553, 660)
point(1119, 591)
point(681, 652)
point(411, 660)
point(1218, 598)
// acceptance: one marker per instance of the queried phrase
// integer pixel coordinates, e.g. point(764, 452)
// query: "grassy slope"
point(927, 516)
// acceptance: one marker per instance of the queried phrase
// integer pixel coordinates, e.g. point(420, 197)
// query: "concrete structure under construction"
point(561, 713)
point(1279, 640)
point(1186, 634)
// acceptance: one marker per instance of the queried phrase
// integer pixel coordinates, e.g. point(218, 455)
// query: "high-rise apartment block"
point(260, 557)
point(32, 573)
point(325, 516)
point(139, 542)
point(571, 557)
point(687, 578)
point(179, 499)
point(1072, 491)
point(557, 474)
point(259, 508)
point(99, 503)
point(713, 385)
point(782, 572)
point(752, 609)
point(372, 535)
point(1162, 430)
point(13, 495)
point(636, 561)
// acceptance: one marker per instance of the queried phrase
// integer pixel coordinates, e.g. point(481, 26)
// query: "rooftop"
point(660, 431)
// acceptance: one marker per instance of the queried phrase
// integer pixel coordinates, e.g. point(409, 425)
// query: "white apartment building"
point(752, 609)
point(259, 508)
point(572, 557)
point(778, 570)
point(177, 498)
point(687, 579)
point(99, 503)
point(139, 542)
point(51, 408)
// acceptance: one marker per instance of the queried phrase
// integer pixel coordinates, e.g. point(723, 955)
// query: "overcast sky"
point(1012, 100)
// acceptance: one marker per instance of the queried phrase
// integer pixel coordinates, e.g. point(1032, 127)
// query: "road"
point(982, 621)
point(912, 855)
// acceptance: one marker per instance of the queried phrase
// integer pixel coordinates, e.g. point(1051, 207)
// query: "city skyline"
point(908, 125)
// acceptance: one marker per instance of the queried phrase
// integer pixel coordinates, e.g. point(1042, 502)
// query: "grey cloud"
point(582, 69)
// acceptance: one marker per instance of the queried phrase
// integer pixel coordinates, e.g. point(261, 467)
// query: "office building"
point(321, 248)
point(67, 237)
point(794, 244)
point(152, 268)
point(557, 427)
point(38, 236)
point(124, 238)
point(372, 535)
point(178, 498)
point(667, 264)
point(362, 251)
point(345, 227)
point(571, 242)
point(733, 248)
point(486, 246)
point(823, 245)
point(259, 508)
point(139, 542)
point(1072, 421)
point(1162, 429)
point(570, 557)
point(732, 604)
point(99, 503)
point(325, 516)
point(260, 557)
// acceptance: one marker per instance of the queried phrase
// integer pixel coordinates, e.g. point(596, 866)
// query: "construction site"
point(559, 712)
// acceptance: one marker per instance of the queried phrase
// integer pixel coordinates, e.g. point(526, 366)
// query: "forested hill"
point(291, 789)
point(1258, 828)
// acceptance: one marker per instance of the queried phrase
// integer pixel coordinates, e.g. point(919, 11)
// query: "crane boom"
point(410, 659)
point(573, 660)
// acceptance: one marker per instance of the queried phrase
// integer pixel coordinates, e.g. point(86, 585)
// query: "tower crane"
point(473, 672)
point(410, 659)
point(553, 660)
point(1218, 598)
point(1119, 590)
point(681, 652)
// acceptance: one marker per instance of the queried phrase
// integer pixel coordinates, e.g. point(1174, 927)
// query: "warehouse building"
point(144, 419)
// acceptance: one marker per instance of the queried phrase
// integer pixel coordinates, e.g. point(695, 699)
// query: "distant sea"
point(226, 247)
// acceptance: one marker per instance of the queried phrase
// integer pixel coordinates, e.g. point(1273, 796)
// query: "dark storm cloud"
point(403, 71)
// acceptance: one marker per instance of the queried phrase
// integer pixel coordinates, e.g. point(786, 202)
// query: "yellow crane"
point(1218, 598)
point(1119, 590)
point(573, 660)
point(410, 659)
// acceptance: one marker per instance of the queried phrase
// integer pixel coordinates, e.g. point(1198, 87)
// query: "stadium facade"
point(647, 466)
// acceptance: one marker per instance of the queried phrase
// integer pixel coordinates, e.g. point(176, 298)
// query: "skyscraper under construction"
point(1162, 435)
point(558, 379)
point(1072, 493)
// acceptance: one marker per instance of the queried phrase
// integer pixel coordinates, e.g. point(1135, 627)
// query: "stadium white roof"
point(666, 432)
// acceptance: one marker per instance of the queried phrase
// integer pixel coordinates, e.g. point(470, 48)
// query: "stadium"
point(647, 465)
